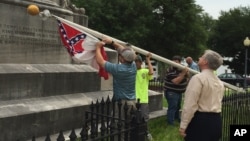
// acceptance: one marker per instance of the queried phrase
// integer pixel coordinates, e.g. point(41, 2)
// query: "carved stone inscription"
point(29, 39)
point(28, 36)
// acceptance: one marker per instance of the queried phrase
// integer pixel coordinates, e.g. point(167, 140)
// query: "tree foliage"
point(164, 27)
point(230, 31)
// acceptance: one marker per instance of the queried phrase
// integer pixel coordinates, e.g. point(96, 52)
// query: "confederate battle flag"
point(81, 46)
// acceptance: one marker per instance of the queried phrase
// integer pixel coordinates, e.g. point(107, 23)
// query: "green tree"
point(180, 29)
point(123, 19)
point(164, 27)
point(208, 23)
point(230, 30)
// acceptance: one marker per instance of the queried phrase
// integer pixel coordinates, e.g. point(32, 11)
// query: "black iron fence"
point(109, 121)
point(235, 111)
point(156, 85)
point(116, 121)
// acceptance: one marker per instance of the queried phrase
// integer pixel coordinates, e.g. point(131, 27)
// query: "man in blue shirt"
point(192, 64)
point(124, 74)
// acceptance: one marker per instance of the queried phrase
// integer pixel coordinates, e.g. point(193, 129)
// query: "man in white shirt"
point(201, 120)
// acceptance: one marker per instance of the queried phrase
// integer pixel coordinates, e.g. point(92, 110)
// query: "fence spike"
point(108, 100)
point(92, 105)
point(138, 104)
point(97, 103)
point(102, 101)
point(60, 137)
point(72, 135)
point(84, 132)
point(48, 137)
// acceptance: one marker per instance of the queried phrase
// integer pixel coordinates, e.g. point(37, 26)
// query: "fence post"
point(93, 131)
point(127, 121)
point(103, 127)
point(139, 124)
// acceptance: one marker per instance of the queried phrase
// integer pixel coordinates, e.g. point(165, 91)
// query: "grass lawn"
point(161, 131)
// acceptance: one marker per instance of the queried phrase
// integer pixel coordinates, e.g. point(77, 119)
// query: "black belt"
point(206, 113)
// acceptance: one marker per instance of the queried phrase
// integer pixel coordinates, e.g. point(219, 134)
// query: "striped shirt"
point(170, 86)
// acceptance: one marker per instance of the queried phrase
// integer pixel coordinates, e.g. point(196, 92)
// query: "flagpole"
point(137, 49)
point(141, 51)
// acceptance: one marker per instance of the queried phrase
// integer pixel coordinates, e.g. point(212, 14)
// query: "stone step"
point(20, 81)
point(26, 118)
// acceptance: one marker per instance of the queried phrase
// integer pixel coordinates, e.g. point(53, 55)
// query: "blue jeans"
point(174, 106)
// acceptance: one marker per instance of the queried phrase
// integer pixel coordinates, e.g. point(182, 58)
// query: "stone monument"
point(41, 89)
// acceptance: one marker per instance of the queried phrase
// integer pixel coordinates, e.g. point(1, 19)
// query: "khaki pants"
point(130, 103)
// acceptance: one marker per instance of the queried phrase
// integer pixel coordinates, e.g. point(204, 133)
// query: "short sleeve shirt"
point(123, 80)
point(142, 81)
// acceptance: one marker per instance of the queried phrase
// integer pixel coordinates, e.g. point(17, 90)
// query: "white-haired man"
point(201, 120)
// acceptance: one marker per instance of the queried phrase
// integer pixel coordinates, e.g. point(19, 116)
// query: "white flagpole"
point(141, 51)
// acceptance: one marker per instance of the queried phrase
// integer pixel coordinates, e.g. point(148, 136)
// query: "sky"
point(213, 7)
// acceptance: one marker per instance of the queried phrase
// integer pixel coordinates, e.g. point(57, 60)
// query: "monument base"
point(22, 119)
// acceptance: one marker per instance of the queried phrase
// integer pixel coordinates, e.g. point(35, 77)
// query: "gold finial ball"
point(33, 10)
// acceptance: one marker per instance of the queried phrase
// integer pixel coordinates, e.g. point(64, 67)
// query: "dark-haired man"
point(175, 84)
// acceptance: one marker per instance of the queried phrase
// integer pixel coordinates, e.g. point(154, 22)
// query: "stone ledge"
point(36, 105)
point(22, 81)
point(44, 68)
